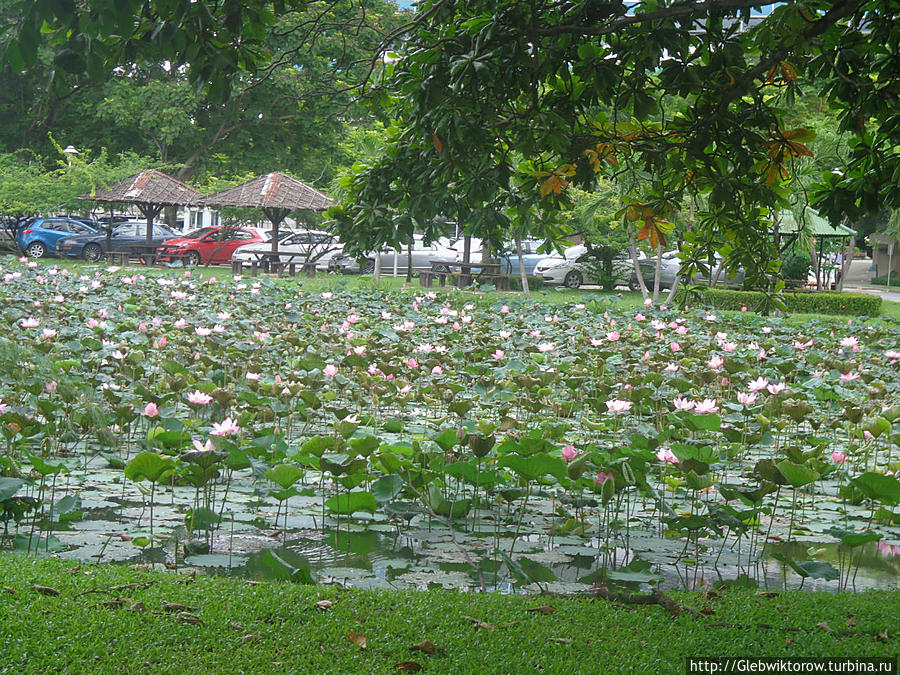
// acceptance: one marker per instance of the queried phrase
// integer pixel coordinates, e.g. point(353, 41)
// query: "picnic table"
point(463, 274)
point(286, 262)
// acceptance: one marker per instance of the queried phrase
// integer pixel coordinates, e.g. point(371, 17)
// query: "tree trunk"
point(815, 264)
point(376, 274)
point(848, 259)
point(671, 296)
point(522, 263)
point(409, 269)
point(632, 247)
point(657, 272)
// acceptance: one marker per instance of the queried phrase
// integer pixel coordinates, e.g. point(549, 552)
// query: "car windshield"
point(199, 234)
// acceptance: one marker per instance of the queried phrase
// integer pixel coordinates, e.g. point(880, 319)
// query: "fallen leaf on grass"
point(175, 607)
point(324, 605)
point(9, 590)
point(824, 625)
point(767, 594)
point(238, 627)
point(543, 609)
point(882, 636)
point(707, 611)
point(479, 623)
point(850, 623)
point(426, 647)
point(358, 639)
point(115, 602)
point(563, 641)
point(250, 637)
point(409, 667)
point(45, 590)
point(137, 607)
point(508, 624)
point(187, 617)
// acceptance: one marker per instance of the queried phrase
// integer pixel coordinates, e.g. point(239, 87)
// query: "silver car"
point(577, 266)
point(670, 270)
point(300, 247)
point(422, 256)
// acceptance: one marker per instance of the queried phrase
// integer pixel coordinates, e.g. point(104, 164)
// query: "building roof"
point(274, 190)
point(816, 225)
point(148, 187)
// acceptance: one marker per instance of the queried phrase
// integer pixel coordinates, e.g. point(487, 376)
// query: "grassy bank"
point(117, 620)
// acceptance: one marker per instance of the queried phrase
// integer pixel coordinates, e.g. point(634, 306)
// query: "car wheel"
point(192, 258)
point(36, 250)
point(572, 280)
point(368, 267)
point(92, 252)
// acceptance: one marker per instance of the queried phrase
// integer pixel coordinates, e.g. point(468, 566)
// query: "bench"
point(117, 258)
point(427, 279)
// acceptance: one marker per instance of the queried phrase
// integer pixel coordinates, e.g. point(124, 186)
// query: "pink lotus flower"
point(253, 377)
point(892, 354)
point(849, 377)
point(197, 397)
point(150, 410)
point(851, 342)
point(838, 457)
point(50, 386)
point(672, 368)
point(716, 362)
point(545, 347)
point(181, 323)
point(617, 406)
point(602, 477)
point(776, 388)
point(498, 354)
point(613, 336)
point(675, 347)
point(204, 447)
point(666, 455)
point(437, 370)
point(30, 322)
point(163, 341)
point(48, 333)
point(746, 399)
point(639, 317)
point(758, 384)
point(330, 370)
point(729, 346)
point(504, 334)
point(595, 342)
point(412, 363)
point(706, 407)
point(683, 403)
point(202, 332)
point(569, 453)
point(359, 350)
point(228, 427)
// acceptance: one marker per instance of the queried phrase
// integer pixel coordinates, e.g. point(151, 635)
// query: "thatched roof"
point(271, 191)
point(148, 187)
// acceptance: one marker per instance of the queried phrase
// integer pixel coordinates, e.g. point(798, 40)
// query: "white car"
point(422, 256)
point(299, 247)
point(576, 267)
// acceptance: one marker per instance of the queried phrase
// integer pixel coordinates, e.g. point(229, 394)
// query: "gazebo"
point(819, 229)
point(150, 191)
point(276, 193)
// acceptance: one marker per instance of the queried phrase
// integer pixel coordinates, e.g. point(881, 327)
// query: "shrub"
point(883, 281)
point(849, 304)
point(796, 267)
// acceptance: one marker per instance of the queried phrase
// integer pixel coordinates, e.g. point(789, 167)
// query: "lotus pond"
point(465, 440)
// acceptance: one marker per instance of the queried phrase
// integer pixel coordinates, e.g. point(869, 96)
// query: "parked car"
point(40, 236)
point(671, 270)
point(298, 247)
point(576, 266)
point(128, 237)
point(422, 256)
point(210, 245)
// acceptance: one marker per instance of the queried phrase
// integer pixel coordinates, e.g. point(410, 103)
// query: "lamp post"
point(70, 152)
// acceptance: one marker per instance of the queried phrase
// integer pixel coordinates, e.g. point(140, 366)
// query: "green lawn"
point(97, 624)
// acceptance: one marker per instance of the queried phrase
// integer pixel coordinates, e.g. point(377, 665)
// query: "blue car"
point(40, 236)
point(129, 237)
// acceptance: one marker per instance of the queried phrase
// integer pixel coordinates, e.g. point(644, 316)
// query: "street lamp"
point(70, 152)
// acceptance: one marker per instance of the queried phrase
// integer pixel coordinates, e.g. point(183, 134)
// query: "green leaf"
point(285, 475)
point(9, 487)
point(878, 487)
point(797, 475)
point(148, 466)
point(637, 571)
point(709, 422)
point(386, 488)
point(535, 466)
point(351, 502)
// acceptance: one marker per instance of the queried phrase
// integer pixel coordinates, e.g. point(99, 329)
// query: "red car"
point(209, 244)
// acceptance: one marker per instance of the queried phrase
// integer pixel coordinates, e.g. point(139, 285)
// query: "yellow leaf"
point(437, 143)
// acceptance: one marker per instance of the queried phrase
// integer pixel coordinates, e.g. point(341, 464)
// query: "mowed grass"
point(109, 619)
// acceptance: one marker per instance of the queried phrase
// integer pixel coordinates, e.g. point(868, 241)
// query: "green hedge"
point(849, 304)
point(883, 281)
point(534, 283)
